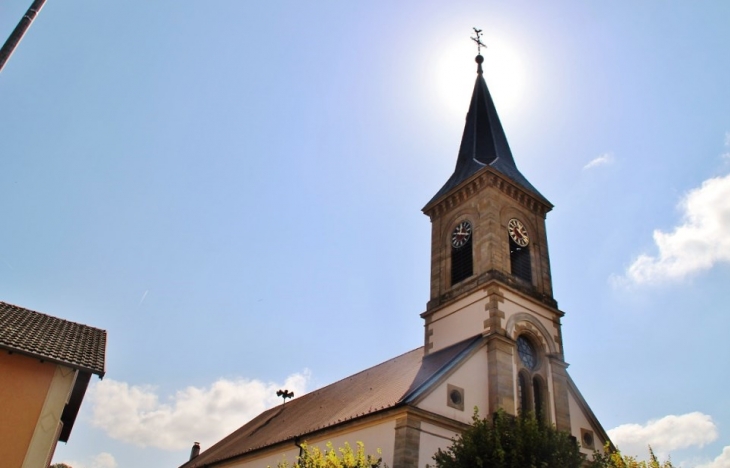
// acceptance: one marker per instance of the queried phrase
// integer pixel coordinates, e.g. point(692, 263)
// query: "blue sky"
point(233, 191)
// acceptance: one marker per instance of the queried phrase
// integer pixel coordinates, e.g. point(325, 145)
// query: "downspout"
point(301, 449)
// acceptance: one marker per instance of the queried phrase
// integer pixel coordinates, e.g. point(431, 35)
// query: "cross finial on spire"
point(478, 40)
point(479, 59)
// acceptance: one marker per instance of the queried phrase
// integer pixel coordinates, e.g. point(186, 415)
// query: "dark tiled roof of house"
point(384, 386)
point(53, 339)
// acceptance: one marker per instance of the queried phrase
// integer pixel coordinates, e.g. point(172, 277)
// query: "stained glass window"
point(526, 352)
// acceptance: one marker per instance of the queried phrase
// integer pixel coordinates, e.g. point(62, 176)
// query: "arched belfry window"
point(462, 261)
point(519, 250)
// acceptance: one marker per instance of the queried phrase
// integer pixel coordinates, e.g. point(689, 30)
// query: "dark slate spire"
point(483, 142)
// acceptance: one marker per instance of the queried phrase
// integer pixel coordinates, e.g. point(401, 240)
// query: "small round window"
point(456, 398)
point(588, 439)
point(527, 353)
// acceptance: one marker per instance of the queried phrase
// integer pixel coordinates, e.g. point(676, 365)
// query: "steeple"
point(488, 221)
point(483, 143)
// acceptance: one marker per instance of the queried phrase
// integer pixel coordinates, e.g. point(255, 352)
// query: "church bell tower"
point(490, 270)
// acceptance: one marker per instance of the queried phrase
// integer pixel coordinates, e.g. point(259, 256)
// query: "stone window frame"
point(454, 251)
point(450, 391)
point(526, 218)
point(587, 434)
point(529, 381)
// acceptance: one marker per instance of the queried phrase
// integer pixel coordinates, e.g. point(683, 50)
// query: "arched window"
point(462, 262)
point(524, 392)
point(519, 250)
point(538, 392)
point(520, 261)
point(527, 352)
point(531, 387)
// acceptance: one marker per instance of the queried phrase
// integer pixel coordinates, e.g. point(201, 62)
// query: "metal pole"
point(19, 31)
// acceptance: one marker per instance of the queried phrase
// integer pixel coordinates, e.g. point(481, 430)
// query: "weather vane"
point(285, 394)
point(478, 40)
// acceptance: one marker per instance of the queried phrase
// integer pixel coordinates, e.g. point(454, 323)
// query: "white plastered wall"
point(466, 318)
point(375, 436)
point(516, 308)
point(470, 376)
point(458, 321)
point(579, 420)
point(432, 438)
point(265, 460)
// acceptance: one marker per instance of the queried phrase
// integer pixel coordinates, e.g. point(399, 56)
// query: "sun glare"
point(456, 71)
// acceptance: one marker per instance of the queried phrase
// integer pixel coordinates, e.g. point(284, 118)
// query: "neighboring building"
point(492, 331)
point(45, 367)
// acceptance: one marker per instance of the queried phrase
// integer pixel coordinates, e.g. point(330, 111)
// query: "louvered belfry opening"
point(462, 263)
point(520, 261)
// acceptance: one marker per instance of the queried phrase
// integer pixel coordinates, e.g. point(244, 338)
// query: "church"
point(492, 331)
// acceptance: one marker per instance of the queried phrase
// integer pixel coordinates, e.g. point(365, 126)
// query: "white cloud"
point(136, 414)
point(665, 434)
point(722, 461)
point(602, 160)
point(700, 241)
point(102, 460)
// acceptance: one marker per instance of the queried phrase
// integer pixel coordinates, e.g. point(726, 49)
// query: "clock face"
point(517, 232)
point(461, 234)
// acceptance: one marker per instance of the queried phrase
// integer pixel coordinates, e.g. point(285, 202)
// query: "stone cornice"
point(487, 177)
point(469, 285)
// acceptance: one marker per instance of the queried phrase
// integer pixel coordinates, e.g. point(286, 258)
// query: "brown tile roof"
point(384, 386)
point(53, 339)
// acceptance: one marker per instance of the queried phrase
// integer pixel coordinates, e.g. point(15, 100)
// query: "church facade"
point(492, 328)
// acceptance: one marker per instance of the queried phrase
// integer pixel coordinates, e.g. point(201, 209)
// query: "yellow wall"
point(32, 397)
point(25, 383)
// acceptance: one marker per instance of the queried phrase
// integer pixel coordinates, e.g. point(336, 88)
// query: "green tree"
point(504, 441)
point(60, 465)
point(345, 457)
point(614, 459)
